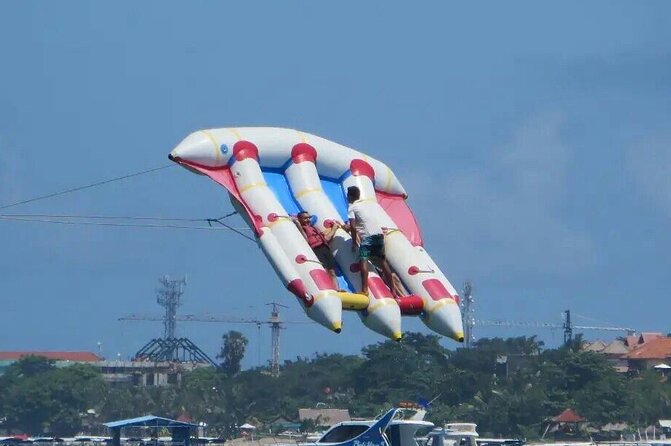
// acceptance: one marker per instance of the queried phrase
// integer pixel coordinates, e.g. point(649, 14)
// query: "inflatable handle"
point(414, 270)
point(273, 217)
point(301, 259)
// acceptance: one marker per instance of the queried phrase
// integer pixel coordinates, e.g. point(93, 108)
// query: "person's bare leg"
point(400, 290)
point(363, 267)
point(389, 279)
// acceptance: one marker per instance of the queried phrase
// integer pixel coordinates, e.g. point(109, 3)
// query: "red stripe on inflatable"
point(360, 167)
point(322, 279)
point(410, 305)
point(378, 288)
point(223, 176)
point(298, 289)
point(245, 149)
point(401, 215)
point(436, 289)
point(303, 152)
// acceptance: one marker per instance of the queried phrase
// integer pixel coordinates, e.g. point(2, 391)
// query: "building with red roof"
point(117, 372)
point(636, 341)
point(565, 425)
point(649, 354)
point(56, 356)
point(61, 359)
point(635, 352)
point(568, 416)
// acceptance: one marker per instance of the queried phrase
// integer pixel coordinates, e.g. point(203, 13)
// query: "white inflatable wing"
point(273, 173)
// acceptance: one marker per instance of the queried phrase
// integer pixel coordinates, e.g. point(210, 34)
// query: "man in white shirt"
point(368, 236)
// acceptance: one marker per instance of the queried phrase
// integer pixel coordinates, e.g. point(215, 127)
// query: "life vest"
point(314, 236)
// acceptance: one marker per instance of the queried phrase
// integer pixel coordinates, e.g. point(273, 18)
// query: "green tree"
point(649, 399)
point(41, 399)
point(232, 352)
point(521, 345)
point(29, 366)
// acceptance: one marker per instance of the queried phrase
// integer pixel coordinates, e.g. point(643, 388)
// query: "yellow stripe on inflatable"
point(307, 191)
point(235, 133)
point(320, 295)
point(251, 186)
point(353, 301)
point(215, 144)
point(278, 221)
point(379, 303)
point(302, 136)
point(388, 182)
point(440, 304)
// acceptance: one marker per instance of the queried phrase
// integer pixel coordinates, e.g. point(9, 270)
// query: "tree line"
point(468, 385)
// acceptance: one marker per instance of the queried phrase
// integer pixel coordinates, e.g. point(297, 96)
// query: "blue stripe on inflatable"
point(343, 283)
point(344, 176)
point(277, 182)
point(334, 191)
point(286, 165)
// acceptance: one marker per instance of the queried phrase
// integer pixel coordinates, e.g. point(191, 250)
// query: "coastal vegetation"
point(510, 398)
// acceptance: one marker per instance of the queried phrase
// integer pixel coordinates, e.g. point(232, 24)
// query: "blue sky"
point(533, 138)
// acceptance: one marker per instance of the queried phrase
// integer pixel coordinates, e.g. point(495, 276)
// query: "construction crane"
point(171, 348)
point(470, 321)
point(275, 323)
point(567, 326)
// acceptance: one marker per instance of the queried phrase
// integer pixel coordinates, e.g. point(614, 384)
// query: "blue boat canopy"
point(148, 421)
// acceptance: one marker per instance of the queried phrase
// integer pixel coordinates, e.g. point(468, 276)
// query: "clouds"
point(506, 214)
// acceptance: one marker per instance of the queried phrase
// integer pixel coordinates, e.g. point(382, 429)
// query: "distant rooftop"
point(637, 340)
point(148, 421)
point(56, 356)
point(616, 347)
point(568, 416)
point(657, 348)
point(596, 346)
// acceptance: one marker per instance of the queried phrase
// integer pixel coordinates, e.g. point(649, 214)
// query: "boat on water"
point(453, 434)
point(392, 430)
point(389, 430)
point(465, 434)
